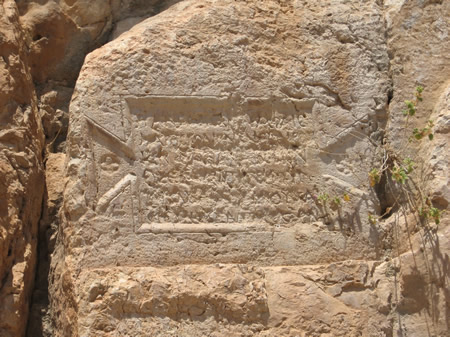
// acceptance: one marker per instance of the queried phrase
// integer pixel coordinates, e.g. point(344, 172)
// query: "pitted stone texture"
point(421, 57)
point(419, 48)
point(351, 298)
point(21, 175)
point(202, 167)
point(205, 134)
point(170, 126)
point(237, 300)
point(60, 33)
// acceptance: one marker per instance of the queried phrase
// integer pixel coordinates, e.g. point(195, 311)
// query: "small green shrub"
point(418, 134)
point(435, 214)
point(399, 168)
point(399, 174)
point(409, 164)
point(374, 177)
point(337, 201)
point(323, 198)
point(431, 212)
point(411, 109)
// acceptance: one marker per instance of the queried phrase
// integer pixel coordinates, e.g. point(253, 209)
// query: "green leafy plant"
point(337, 201)
point(423, 212)
point(409, 165)
point(410, 108)
point(323, 198)
point(419, 90)
point(400, 168)
point(399, 174)
point(426, 131)
point(431, 212)
point(374, 177)
point(435, 213)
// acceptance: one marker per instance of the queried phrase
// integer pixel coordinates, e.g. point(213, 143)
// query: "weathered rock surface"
point(203, 144)
point(21, 172)
point(200, 143)
point(60, 33)
point(237, 300)
point(39, 321)
point(418, 43)
point(420, 56)
point(58, 36)
point(227, 136)
point(42, 42)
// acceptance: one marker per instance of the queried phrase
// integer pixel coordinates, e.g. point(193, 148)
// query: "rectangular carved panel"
point(218, 160)
point(202, 160)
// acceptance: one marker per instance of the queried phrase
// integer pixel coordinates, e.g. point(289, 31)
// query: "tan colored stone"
point(58, 36)
point(265, 147)
point(237, 300)
point(200, 141)
point(61, 33)
point(418, 42)
point(39, 324)
point(21, 172)
point(205, 134)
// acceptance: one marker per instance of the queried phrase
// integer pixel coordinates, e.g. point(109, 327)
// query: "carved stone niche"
point(228, 174)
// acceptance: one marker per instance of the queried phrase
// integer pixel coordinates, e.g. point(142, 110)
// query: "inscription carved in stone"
point(205, 160)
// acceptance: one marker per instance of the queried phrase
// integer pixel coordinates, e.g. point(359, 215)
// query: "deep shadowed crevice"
point(39, 318)
point(390, 95)
point(386, 201)
point(54, 97)
point(384, 195)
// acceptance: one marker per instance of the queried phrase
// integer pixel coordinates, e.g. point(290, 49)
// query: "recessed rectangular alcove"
point(216, 161)
point(202, 179)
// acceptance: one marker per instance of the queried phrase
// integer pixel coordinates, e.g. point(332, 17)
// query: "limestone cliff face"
point(60, 33)
point(42, 48)
point(203, 147)
point(418, 35)
point(58, 36)
point(215, 179)
point(21, 172)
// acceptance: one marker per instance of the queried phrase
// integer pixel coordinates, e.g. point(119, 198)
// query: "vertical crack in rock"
point(206, 150)
point(21, 174)
point(418, 46)
point(199, 144)
point(58, 36)
point(384, 196)
point(39, 322)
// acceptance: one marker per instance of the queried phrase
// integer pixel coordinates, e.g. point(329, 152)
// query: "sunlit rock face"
point(21, 174)
point(216, 168)
point(237, 133)
point(200, 143)
point(216, 179)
